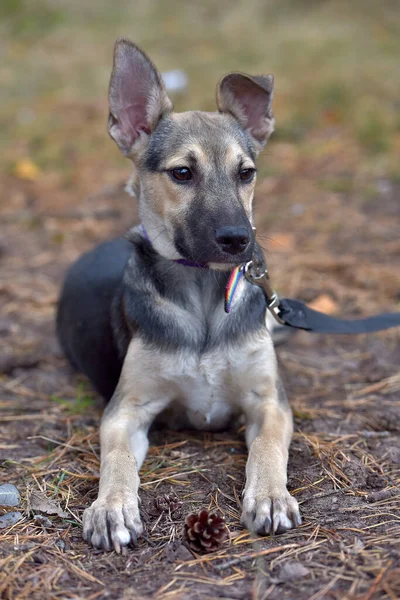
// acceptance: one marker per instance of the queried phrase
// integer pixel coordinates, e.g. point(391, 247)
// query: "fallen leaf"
point(42, 520)
point(291, 571)
point(177, 551)
point(26, 169)
point(9, 495)
point(10, 519)
point(41, 503)
point(282, 242)
point(394, 454)
point(325, 304)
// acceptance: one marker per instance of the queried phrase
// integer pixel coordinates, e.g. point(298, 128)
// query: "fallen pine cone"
point(205, 532)
point(166, 503)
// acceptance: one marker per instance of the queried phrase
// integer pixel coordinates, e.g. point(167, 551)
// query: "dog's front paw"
point(110, 524)
point(274, 513)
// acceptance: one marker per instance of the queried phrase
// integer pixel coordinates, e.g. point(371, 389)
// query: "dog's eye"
point(181, 174)
point(247, 175)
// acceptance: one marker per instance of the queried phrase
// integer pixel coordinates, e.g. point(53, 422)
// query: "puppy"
point(143, 317)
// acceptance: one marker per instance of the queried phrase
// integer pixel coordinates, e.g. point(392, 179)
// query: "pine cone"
point(205, 532)
point(166, 503)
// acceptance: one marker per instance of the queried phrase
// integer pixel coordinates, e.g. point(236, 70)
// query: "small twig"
point(47, 439)
point(325, 494)
point(173, 476)
point(148, 540)
point(374, 434)
point(30, 417)
point(240, 559)
point(378, 579)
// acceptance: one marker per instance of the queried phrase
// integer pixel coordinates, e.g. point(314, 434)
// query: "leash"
point(294, 313)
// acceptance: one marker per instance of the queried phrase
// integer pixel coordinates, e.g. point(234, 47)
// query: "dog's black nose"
point(232, 240)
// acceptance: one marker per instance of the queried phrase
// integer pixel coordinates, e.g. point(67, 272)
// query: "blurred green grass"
point(335, 63)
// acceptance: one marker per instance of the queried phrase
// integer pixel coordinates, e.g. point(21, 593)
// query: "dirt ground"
point(328, 215)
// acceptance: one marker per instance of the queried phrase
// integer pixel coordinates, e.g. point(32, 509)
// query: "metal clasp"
point(258, 275)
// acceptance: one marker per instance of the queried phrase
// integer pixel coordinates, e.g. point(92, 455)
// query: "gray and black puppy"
point(144, 317)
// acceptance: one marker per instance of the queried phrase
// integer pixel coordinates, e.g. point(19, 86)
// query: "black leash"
point(294, 313)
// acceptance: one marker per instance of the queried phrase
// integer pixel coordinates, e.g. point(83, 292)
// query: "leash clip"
point(258, 275)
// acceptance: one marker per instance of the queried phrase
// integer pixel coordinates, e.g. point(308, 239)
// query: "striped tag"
point(231, 287)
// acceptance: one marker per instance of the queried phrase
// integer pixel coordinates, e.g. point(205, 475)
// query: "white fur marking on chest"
point(210, 388)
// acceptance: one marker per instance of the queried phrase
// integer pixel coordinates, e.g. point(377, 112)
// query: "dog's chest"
point(207, 392)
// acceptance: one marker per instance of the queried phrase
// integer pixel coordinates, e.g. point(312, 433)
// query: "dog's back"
point(84, 324)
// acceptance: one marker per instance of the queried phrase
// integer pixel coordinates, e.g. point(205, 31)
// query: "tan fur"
point(265, 496)
point(180, 159)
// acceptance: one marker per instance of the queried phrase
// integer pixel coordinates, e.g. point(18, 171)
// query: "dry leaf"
point(325, 304)
point(26, 169)
point(41, 503)
point(291, 571)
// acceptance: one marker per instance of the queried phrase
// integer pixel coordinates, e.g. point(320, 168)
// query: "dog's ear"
point(137, 96)
point(249, 100)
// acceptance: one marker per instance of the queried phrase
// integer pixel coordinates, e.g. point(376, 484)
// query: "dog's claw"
point(104, 543)
point(111, 525)
point(270, 515)
point(87, 533)
point(134, 537)
point(281, 522)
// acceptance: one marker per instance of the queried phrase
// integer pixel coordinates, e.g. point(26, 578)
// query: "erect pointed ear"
point(137, 96)
point(249, 100)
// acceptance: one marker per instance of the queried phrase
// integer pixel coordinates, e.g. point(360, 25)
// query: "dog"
point(143, 316)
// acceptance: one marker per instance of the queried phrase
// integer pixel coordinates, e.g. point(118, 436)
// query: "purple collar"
point(180, 261)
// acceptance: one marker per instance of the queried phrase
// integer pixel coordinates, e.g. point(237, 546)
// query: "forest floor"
point(328, 204)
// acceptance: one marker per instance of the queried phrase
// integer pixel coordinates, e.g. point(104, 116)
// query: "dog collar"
point(180, 261)
point(233, 280)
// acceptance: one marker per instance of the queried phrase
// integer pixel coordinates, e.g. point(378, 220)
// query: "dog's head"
point(195, 171)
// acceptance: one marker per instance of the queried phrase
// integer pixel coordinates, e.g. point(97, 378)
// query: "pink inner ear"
point(134, 83)
point(134, 91)
point(132, 119)
point(254, 103)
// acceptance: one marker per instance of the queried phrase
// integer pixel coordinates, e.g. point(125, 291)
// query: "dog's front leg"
point(113, 519)
point(267, 505)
